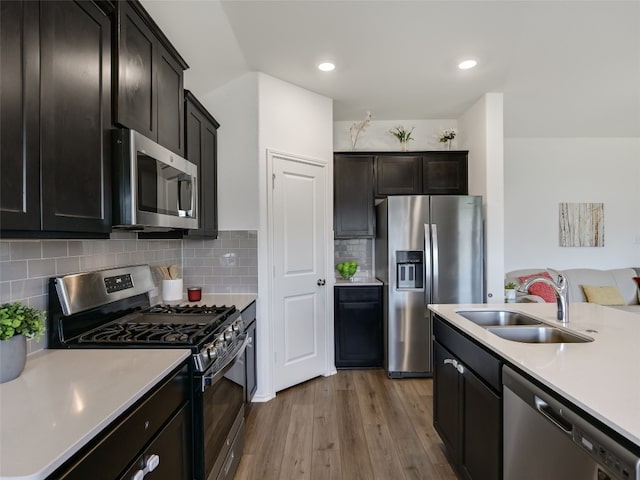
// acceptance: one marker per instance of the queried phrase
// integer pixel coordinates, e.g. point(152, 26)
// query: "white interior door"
point(299, 290)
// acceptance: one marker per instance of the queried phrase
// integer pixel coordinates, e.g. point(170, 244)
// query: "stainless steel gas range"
point(111, 309)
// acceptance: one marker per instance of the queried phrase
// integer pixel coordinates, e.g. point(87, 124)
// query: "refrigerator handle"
point(427, 263)
point(434, 254)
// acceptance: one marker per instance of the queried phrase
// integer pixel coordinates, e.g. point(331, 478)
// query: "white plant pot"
point(13, 357)
point(510, 295)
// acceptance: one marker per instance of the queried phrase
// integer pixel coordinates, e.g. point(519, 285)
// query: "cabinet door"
point(398, 175)
point(19, 116)
point(358, 327)
point(445, 173)
point(482, 446)
point(353, 197)
point(202, 149)
point(75, 96)
point(173, 450)
point(170, 102)
point(446, 400)
point(136, 97)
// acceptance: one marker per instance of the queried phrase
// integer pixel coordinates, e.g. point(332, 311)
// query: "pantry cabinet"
point(55, 104)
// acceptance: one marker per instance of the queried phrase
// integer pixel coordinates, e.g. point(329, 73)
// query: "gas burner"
point(148, 333)
point(223, 311)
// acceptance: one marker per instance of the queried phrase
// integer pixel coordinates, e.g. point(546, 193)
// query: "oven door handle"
point(209, 380)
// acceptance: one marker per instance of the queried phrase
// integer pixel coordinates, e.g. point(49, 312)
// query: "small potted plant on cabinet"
point(510, 291)
point(17, 323)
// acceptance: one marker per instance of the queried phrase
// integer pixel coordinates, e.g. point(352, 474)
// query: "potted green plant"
point(510, 291)
point(402, 135)
point(446, 136)
point(17, 323)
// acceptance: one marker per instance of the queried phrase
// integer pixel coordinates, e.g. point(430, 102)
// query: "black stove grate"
point(149, 334)
point(221, 312)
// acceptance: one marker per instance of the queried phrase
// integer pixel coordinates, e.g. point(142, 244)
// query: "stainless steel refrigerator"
point(428, 249)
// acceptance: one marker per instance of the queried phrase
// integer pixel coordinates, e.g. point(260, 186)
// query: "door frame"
point(268, 343)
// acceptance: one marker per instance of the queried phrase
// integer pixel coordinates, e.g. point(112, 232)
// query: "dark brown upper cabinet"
point(201, 149)
point(398, 175)
point(56, 119)
point(353, 196)
point(445, 173)
point(149, 78)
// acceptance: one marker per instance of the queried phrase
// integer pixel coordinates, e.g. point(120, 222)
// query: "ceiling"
point(566, 68)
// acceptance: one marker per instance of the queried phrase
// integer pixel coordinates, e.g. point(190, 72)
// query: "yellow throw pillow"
point(603, 295)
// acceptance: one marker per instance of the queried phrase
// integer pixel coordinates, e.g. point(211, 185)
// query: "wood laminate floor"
point(357, 424)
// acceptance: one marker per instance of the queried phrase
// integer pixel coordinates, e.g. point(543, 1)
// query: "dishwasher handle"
point(547, 411)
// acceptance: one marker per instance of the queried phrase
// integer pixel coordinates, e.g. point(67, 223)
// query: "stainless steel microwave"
point(154, 189)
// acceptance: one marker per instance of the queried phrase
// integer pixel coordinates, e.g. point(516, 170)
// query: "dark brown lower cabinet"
point(358, 327)
point(467, 410)
point(155, 430)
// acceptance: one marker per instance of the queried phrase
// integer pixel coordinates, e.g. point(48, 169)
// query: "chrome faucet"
point(560, 288)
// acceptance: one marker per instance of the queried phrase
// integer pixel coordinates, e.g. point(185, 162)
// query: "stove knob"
point(220, 345)
point(228, 335)
point(212, 352)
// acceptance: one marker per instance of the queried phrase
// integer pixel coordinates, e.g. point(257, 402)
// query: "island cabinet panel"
point(353, 200)
point(159, 424)
point(445, 173)
point(467, 410)
point(358, 327)
point(398, 175)
point(149, 79)
point(202, 149)
point(56, 79)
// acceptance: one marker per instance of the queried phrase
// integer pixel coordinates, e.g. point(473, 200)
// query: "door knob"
point(321, 282)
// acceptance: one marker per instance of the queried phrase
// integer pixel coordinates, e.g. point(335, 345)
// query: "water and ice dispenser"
point(409, 269)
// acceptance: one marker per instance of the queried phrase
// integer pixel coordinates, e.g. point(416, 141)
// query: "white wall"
point(295, 121)
point(542, 172)
point(235, 107)
point(481, 132)
point(376, 135)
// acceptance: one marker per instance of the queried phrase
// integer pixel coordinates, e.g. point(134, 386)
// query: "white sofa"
point(622, 278)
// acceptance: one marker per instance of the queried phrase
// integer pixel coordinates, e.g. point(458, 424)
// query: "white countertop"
point(357, 282)
point(601, 377)
point(64, 398)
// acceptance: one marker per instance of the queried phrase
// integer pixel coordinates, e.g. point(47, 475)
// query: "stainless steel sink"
point(538, 335)
point(490, 318)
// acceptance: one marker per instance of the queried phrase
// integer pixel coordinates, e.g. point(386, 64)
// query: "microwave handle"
point(185, 194)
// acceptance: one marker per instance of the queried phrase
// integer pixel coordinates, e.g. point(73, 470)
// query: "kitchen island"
point(65, 398)
point(601, 377)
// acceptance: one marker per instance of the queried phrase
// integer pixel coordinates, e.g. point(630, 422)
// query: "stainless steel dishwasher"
point(546, 439)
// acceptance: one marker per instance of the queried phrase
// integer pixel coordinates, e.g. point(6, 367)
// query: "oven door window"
point(222, 403)
point(163, 189)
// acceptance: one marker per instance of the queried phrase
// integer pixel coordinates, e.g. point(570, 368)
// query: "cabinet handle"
point(321, 282)
point(150, 465)
point(457, 365)
point(229, 463)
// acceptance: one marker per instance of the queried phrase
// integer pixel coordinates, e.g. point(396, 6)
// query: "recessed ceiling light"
point(326, 66)
point(466, 64)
